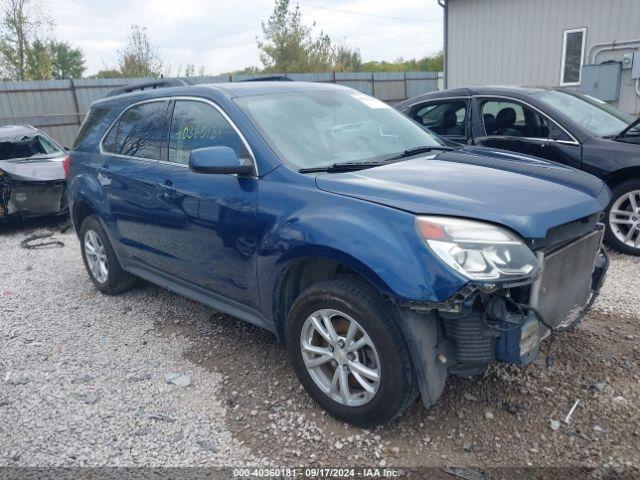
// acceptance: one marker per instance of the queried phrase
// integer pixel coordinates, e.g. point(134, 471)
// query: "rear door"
point(446, 117)
point(513, 125)
point(131, 150)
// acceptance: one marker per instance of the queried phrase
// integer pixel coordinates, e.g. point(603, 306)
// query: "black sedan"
point(32, 173)
point(563, 126)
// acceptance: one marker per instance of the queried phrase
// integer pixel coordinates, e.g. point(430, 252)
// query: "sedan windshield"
point(321, 128)
point(28, 147)
point(598, 117)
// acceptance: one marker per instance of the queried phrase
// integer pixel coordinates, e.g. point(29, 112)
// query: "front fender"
point(378, 242)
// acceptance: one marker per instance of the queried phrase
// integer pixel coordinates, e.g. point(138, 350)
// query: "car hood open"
point(527, 194)
point(39, 169)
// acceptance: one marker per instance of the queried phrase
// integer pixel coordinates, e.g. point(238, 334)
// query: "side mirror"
point(220, 160)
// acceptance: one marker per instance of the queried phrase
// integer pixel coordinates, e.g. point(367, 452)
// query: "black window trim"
point(117, 119)
point(174, 100)
point(431, 100)
point(574, 141)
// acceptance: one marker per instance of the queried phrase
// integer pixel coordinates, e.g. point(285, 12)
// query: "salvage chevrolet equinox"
point(383, 258)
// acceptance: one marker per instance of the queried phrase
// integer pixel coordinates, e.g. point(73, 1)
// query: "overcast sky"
point(221, 35)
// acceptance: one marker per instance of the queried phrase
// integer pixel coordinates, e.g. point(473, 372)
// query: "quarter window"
point(199, 125)
point(138, 132)
point(572, 56)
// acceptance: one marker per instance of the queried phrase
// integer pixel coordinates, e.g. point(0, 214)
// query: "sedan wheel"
point(624, 219)
point(340, 357)
point(96, 256)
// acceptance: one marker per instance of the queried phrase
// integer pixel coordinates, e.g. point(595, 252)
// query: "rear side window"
point(198, 125)
point(138, 131)
point(92, 119)
point(447, 117)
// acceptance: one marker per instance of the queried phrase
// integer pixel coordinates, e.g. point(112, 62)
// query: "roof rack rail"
point(270, 78)
point(160, 83)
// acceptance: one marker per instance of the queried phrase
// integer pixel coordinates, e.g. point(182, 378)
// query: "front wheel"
point(348, 352)
point(623, 218)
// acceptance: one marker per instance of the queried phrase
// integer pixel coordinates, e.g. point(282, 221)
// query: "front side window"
point(447, 118)
point(572, 55)
point(318, 128)
point(138, 132)
point(505, 118)
point(199, 125)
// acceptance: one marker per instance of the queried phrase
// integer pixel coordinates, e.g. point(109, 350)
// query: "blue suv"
point(383, 258)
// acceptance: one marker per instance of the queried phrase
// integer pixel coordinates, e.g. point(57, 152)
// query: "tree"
point(21, 25)
point(347, 59)
point(425, 64)
point(140, 58)
point(290, 46)
point(108, 73)
point(39, 62)
point(67, 62)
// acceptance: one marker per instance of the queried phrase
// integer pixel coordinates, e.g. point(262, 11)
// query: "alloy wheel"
point(340, 357)
point(624, 218)
point(96, 256)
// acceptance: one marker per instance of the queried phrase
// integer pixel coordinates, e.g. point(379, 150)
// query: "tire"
point(624, 196)
point(116, 280)
point(345, 299)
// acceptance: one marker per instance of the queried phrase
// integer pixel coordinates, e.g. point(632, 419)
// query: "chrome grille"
point(564, 285)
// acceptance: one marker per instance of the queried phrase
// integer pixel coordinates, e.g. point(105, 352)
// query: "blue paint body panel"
point(226, 240)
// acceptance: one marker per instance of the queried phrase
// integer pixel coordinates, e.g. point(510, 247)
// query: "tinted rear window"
point(94, 117)
point(138, 131)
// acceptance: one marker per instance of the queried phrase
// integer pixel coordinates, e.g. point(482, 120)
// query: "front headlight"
point(478, 250)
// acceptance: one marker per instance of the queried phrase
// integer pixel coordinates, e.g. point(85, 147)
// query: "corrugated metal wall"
point(519, 42)
point(58, 106)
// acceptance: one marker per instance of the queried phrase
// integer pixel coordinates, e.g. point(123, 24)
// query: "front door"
point(511, 125)
point(131, 149)
point(206, 221)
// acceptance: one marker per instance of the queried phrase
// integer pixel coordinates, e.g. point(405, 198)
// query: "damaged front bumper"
point(507, 323)
point(19, 198)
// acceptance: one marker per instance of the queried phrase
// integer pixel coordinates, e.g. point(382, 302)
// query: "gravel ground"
point(83, 381)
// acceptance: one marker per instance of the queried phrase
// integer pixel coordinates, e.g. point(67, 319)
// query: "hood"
point(34, 169)
point(526, 194)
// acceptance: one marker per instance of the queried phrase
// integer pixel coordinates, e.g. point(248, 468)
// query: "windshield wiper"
point(342, 167)
point(418, 150)
point(355, 166)
point(627, 129)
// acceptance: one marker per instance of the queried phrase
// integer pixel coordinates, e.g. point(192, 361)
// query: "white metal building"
point(583, 44)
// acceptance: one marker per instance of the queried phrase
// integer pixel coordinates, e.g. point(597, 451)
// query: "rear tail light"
point(66, 164)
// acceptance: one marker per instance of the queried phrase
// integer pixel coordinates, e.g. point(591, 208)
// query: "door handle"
point(168, 186)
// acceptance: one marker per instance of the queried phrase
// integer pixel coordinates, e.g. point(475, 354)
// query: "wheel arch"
point(81, 210)
point(300, 272)
point(619, 176)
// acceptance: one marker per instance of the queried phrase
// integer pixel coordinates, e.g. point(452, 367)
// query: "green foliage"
point(67, 62)
point(426, 64)
point(108, 73)
point(290, 46)
point(39, 63)
point(347, 59)
point(26, 51)
point(140, 58)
